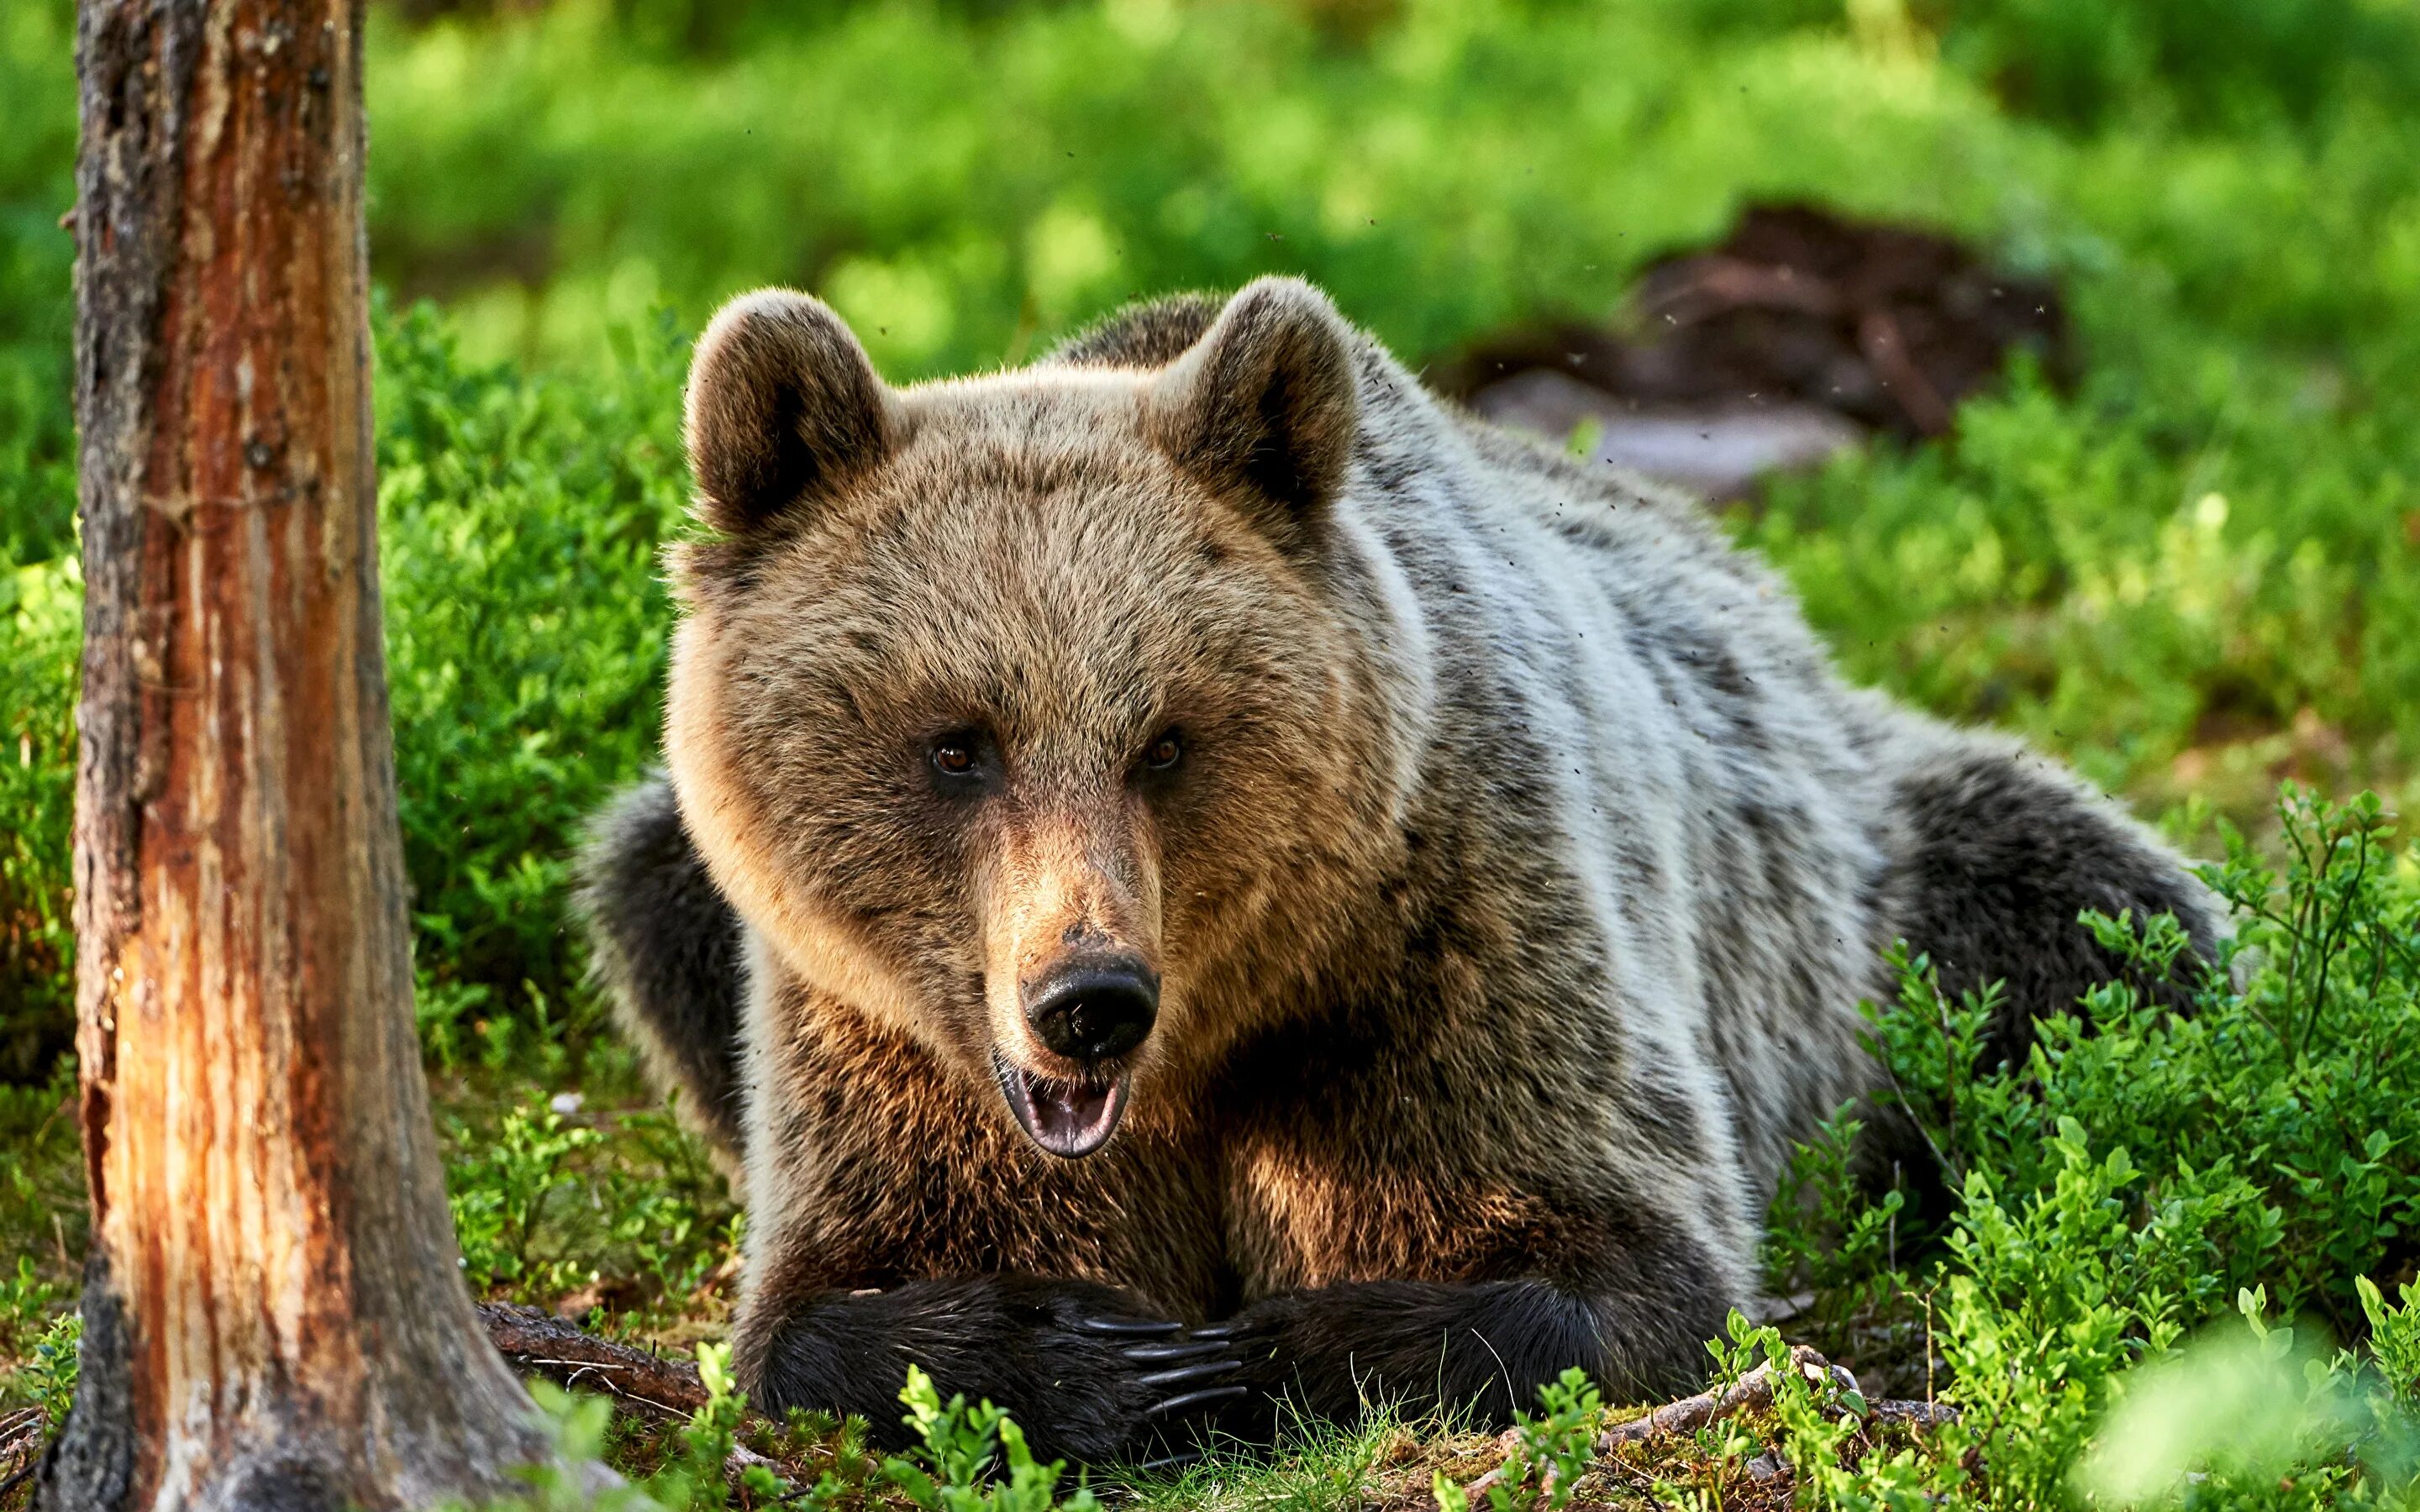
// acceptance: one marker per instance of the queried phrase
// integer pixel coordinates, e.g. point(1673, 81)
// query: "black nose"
point(1093, 1011)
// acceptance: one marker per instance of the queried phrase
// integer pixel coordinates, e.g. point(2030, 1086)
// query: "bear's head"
point(1043, 716)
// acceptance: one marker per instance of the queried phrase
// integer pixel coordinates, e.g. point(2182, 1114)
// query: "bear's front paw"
point(1190, 1379)
point(1110, 1382)
point(1227, 1381)
point(1086, 1371)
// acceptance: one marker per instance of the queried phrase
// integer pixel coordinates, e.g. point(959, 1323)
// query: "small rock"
point(574, 1306)
point(1717, 451)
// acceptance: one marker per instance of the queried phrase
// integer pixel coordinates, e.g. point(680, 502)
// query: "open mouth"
point(1067, 1119)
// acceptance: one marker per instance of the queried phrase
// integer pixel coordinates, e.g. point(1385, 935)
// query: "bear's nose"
point(1095, 1009)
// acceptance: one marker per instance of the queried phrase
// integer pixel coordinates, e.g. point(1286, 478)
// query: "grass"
point(2195, 573)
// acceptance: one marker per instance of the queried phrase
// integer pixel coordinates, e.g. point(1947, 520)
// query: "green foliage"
point(40, 629)
point(500, 1193)
point(550, 1199)
point(37, 160)
point(25, 1300)
point(2394, 1335)
point(2140, 1169)
point(694, 1480)
point(519, 523)
point(1549, 1453)
point(57, 1361)
point(1841, 1241)
point(41, 1204)
point(697, 1480)
point(2260, 1410)
point(2082, 64)
point(953, 1471)
point(971, 1459)
point(45, 1378)
point(2273, 1120)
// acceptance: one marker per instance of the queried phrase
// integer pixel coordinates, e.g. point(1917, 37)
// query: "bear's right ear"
point(1266, 405)
point(783, 406)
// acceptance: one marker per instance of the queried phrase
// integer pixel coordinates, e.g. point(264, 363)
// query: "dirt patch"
point(1801, 332)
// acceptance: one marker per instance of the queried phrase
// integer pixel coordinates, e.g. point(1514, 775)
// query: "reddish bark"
point(273, 1311)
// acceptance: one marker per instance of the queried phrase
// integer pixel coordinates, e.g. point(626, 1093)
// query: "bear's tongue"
point(1067, 1119)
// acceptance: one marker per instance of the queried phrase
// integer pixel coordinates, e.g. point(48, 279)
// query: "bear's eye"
point(1166, 750)
point(958, 754)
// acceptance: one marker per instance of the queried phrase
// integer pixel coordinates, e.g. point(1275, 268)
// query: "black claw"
point(1192, 1372)
point(1144, 1354)
point(1129, 1327)
point(1227, 1330)
point(1167, 1463)
point(1194, 1399)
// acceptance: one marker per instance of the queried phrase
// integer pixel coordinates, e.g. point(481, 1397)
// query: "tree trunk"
point(273, 1314)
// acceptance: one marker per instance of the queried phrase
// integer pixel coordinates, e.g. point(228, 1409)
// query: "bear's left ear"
point(1266, 405)
point(784, 407)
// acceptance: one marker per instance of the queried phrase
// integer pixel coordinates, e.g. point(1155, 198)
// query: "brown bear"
point(1196, 877)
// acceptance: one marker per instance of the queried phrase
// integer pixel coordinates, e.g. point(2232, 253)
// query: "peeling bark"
point(274, 1313)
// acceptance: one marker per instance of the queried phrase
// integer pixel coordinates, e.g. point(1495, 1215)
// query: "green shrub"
point(969, 1459)
point(2272, 1130)
point(1550, 1452)
point(551, 1196)
point(36, 163)
point(2143, 1169)
point(2083, 63)
point(518, 523)
point(41, 630)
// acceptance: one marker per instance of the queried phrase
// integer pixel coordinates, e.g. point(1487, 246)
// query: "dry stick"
point(1690, 1413)
point(1753, 1390)
point(21, 1438)
point(668, 1391)
point(538, 1344)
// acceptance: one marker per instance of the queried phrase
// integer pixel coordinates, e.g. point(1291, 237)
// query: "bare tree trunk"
point(273, 1313)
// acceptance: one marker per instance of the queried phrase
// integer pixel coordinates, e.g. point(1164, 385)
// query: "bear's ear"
point(1266, 405)
point(783, 406)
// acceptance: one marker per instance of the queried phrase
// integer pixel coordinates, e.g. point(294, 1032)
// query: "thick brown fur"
point(1508, 909)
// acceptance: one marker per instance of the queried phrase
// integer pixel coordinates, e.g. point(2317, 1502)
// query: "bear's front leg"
point(1081, 1368)
point(1484, 1346)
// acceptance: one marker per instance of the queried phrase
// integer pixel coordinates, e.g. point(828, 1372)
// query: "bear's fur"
point(1507, 906)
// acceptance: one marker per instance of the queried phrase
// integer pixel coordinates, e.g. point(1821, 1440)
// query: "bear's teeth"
point(1067, 1119)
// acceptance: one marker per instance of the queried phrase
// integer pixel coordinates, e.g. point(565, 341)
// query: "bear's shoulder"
point(1149, 333)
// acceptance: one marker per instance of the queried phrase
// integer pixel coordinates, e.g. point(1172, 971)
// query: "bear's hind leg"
point(1998, 853)
point(668, 948)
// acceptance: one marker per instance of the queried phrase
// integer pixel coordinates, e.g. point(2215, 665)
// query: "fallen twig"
point(21, 1439)
point(1912, 1414)
point(669, 1391)
point(1751, 1390)
point(537, 1344)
